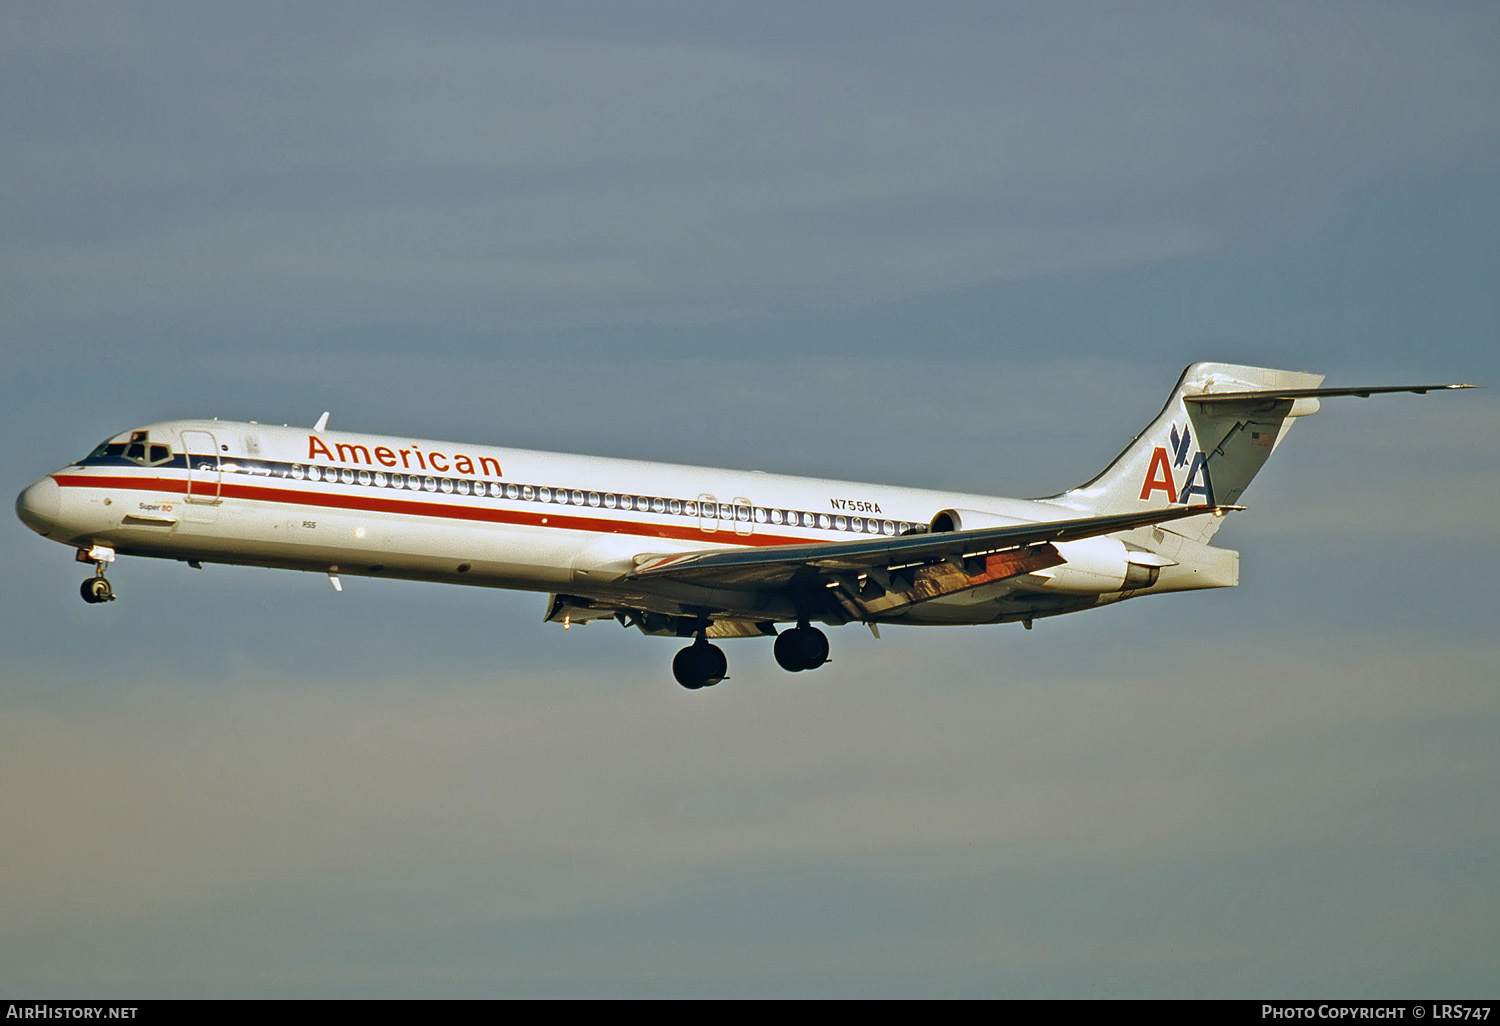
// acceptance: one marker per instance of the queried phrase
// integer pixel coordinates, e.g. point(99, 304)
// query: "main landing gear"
point(700, 665)
point(801, 648)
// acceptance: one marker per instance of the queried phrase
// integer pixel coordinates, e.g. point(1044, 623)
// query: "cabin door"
point(204, 475)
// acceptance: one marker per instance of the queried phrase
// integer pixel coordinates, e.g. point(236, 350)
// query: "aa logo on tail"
point(1159, 475)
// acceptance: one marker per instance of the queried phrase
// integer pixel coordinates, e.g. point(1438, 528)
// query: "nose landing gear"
point(97, 589)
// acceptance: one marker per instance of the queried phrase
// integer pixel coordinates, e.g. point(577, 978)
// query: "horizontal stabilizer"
point(1273, 395)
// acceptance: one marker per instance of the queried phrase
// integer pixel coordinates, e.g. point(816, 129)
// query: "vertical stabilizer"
point(1195, 452)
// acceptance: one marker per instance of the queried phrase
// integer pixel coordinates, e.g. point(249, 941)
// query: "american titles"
point(407, 459)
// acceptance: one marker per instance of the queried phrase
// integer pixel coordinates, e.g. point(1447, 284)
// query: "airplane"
point(686, 552)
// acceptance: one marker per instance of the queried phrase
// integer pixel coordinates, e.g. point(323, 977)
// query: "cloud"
point(575, 801)
point(544, 176)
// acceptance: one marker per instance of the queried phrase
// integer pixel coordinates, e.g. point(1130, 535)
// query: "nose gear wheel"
point(96, 589)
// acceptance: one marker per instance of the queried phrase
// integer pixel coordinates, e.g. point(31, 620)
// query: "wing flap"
point(830, 561)
point(882, 594)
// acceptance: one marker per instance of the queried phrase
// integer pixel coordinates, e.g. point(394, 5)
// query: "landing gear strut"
point(700, 665)
point(801, 648)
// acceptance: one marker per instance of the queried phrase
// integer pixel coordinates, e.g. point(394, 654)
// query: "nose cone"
point(38, 505)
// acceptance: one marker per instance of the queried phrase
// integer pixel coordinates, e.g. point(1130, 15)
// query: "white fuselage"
point(346, 503)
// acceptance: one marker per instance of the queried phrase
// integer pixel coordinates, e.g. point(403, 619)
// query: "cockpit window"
point(140, 449)
point(108, 449)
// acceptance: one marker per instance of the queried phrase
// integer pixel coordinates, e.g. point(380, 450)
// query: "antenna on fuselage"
point(322, 422)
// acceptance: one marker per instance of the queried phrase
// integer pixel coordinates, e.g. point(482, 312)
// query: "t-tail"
point(1218, 428)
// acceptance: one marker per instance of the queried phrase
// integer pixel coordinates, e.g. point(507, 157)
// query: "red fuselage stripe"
point(446, 511)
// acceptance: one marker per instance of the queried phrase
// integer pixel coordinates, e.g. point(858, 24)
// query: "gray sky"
point(967, 246)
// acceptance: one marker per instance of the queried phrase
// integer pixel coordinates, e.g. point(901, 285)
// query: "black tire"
point(716, 663)
point(95, 590)
point(801, 648)
point(817, 648)
point(788, 651)
point(684, 668)
point(700, 665)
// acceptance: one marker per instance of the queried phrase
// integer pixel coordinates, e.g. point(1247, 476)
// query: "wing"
point(880, 575)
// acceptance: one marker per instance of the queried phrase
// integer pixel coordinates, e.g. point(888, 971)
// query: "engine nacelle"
point(969, 520)
point(1096, 566)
